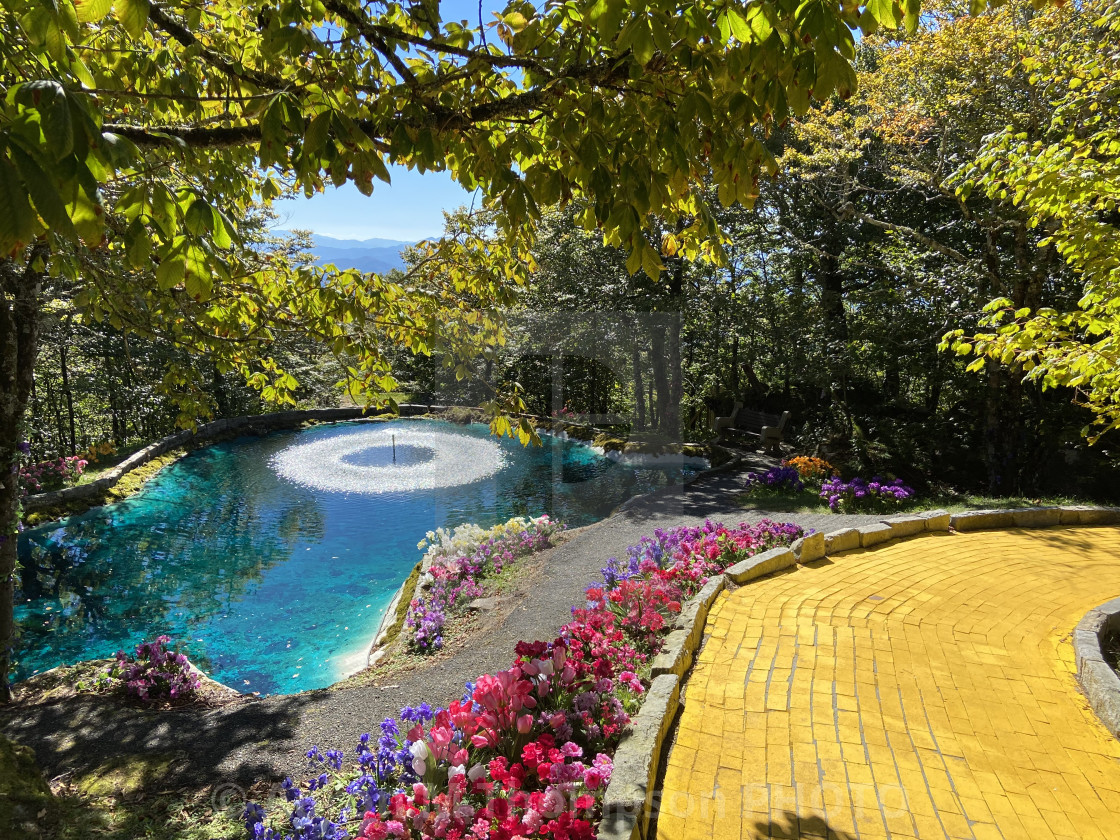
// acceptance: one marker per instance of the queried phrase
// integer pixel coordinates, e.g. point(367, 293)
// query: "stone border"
point(630, 798)
point(1099, 682)
point(390, 627)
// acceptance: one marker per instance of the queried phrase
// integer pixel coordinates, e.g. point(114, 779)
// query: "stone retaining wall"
point(631, 800)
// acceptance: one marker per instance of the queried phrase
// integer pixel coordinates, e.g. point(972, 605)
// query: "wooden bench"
point(770, 428)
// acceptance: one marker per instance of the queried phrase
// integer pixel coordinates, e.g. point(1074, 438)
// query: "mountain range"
point(372, 255)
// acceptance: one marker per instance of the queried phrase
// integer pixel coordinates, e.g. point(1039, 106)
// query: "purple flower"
point(877, 494)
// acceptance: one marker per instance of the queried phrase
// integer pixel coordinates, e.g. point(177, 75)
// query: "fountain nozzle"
point(394, 449)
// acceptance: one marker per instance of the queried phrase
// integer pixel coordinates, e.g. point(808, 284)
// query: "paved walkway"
point(924, 689)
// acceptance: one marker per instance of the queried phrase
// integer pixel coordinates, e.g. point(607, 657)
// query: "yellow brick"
point(958, 685)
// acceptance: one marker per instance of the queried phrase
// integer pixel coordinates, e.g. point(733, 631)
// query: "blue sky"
point(409, 209)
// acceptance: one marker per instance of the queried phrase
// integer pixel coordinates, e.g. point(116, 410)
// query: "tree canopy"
point(1063, 172)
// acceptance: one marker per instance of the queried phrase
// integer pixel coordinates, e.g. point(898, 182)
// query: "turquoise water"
point(273, 586)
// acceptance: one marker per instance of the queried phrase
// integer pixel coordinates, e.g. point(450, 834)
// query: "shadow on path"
point(791, 827)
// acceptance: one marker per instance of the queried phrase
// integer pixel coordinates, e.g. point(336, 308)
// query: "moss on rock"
point(408, 589)
point(126, 775)
point(26, 802)
point(131, 482)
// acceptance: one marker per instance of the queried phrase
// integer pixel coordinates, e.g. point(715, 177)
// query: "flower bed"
point(879, 494)
point(778, 478)
point(46, 475)
point(815, 480)
point(526, 752)
point(458, 561)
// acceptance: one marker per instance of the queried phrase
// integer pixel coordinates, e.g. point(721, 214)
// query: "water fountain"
point(361, 462)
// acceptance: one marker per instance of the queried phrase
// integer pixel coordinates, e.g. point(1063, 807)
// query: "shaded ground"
point(267, 738)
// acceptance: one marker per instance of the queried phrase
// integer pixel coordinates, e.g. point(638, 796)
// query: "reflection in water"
point(274, 586)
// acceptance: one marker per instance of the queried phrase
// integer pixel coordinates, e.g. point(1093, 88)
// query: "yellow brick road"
point(924, 689)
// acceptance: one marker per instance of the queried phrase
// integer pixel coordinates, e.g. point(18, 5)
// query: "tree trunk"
point(19, 335)
point(659, 359)
point(832, 300)
point(639, 384)
point(66, 392)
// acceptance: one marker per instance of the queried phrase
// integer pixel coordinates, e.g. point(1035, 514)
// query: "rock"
point(870, 535)
point(811, 548)
point(487, 604)
point(761, 564)
point(843, 540)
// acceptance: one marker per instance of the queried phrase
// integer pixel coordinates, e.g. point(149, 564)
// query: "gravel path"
point(265, 739)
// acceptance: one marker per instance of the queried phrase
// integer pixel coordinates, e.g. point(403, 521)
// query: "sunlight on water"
point(367, 462)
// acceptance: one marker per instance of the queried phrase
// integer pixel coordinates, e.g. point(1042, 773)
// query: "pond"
point(274, 558)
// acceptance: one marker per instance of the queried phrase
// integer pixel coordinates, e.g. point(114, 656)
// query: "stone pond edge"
point(629, 801)
point(1097, 678)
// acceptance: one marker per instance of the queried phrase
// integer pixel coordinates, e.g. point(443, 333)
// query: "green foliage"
point(1066, 178)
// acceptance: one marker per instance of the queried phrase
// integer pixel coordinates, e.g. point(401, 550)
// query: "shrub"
point(98, 450)
point(810, 469)
point(48, 475)
point(859, 494)
point(156, 672)
point(777, 478)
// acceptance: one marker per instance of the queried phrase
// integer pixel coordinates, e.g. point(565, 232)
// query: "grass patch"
point(784, 501)
point(166, 815)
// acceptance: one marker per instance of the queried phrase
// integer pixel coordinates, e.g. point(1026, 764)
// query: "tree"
point(134, 134)
point(1064, 175)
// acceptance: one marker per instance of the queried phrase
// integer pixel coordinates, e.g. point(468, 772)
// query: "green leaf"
point(634, 260)
point(884, 11)
point(171, 271)
point(739, 26)
point(760, 24)
point(44, 31)
point(609, 18)
point(44, 193)
point(200, 217)
point(133, 15)
point(317, 134)
point(17, 219)
point(912, 10)
point(88, 216)
point(90, 11)
point(642, 43)
point(651, 263)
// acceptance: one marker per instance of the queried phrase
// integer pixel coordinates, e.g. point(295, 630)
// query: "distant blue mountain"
point(372, 255)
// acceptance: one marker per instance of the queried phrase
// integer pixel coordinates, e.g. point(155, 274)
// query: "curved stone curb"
point(762, 564)
point(203, 434)
point(1034, 517)
point(628, 799)
point(1099, 682)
